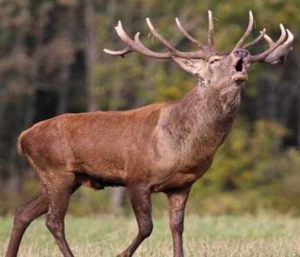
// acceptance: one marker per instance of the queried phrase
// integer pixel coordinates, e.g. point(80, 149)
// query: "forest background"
point(51, 62)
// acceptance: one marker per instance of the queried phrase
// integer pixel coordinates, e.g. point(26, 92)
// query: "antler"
point(256, 40)
point(276, 51)
point(281, 52)
point(211, 31)
point(247, 32)
point(137, 46)
point(134, 45)
point(186, 34)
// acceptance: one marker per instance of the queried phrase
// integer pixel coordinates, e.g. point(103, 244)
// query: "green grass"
point(208, 236)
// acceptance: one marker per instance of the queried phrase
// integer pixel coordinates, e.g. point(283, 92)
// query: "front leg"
point(140, 197)
point(177, 202)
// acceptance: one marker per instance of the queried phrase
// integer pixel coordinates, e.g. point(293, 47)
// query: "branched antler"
point(281, 51)
point(272, 47)
point(276, 51)
point(137, 46)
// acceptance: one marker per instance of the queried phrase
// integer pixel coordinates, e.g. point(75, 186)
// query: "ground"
point(205, 236)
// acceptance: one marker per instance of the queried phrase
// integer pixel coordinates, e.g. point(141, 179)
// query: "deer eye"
point(215, 60)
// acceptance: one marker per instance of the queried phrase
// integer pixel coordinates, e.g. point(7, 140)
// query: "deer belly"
point(99, 180)
point(98, 173)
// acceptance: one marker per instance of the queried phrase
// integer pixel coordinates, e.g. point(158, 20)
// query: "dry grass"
point(225, 236)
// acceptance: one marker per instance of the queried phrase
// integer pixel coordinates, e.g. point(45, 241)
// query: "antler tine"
point(256, 40)
point(159, 37)
point(144, 49)
point(186, 34)
point(263, 55)
point(124, 37)
point(282, 50)
point(269, 40)
point(195, 55)
point(121, 52)
point(175, 52)
point(134, 46)
point(211, 31)
point(247, 32)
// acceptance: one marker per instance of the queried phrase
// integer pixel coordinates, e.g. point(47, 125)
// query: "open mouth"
point(240, 71)
point(239, 65)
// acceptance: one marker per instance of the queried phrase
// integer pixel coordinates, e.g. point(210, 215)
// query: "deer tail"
point(20, 146)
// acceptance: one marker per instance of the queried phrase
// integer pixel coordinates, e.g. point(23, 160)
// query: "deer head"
point(212, 68)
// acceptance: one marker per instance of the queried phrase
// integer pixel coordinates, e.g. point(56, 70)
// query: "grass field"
point(223, 236)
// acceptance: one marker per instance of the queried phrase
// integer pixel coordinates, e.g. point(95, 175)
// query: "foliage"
point(250, 173)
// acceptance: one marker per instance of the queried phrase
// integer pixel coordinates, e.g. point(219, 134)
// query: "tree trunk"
point(117, 200)
point(90, 52)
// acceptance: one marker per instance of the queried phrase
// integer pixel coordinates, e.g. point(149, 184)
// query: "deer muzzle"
point(240, 65)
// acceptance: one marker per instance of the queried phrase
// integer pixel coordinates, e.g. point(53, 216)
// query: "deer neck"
point(203, 118)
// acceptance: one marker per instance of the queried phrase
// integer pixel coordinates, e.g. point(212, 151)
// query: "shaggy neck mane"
point(203, 118)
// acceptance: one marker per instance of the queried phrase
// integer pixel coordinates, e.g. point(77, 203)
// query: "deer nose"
point(241, 53)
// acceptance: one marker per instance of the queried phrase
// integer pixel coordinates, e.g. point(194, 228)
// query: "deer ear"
point(189, 65)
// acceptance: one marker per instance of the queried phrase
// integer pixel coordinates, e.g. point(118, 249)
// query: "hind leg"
point(59, 193)
point(23, 217)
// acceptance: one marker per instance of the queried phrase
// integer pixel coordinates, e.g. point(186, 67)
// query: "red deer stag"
point(162, 147)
